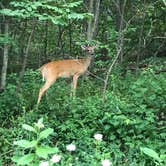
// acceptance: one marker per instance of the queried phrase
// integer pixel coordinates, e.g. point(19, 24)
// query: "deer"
point(65, 69)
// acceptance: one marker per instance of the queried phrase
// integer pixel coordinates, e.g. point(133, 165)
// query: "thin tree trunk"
point(23, 27)
point(45, 40)
point(21, 75)
point(96, 19)
point(5, 59)
point(109, 72)
point(89, 30)
point(59, 46)
point(140, 48)
point(120, 6)
point(70, 38)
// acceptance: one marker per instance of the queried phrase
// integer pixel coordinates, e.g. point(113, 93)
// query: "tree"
point(58, 12)
point(5, 57)
point(93, 23)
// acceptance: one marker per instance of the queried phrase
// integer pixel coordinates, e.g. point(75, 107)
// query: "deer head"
point(88, 49)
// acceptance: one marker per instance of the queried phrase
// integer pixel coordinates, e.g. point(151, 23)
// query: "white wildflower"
point(106, 162)
point(71, 147)
point(39, 125)
point(44, 163)
point(98, 137)
point(55, 158)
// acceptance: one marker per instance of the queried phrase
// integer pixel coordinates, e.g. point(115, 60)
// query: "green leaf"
point(23, 160)
point(28, 127)
point(72, 4)
point(25, 143)
point(151, 153)
point(15, 158)
point(26, 159)
point(6, 11)
point(45, 133)
point(58, 20)
point(44, 151)
point(75, 16)
point(40, 121)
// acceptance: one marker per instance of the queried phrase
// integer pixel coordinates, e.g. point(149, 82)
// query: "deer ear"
point(83, 47)
point(94, 46)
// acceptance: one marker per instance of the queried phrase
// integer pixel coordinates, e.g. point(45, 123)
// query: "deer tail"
point(41, 69)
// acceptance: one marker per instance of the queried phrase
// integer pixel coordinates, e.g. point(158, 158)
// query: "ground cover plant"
point(130, 122)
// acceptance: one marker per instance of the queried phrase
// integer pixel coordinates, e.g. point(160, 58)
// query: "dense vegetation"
point(122, 99)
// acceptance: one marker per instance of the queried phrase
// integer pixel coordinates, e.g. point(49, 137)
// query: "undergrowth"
point(131, 119)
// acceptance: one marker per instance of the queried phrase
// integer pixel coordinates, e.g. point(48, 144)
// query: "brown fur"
point(65, 68)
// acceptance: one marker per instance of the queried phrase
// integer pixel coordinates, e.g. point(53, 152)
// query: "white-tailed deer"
point(65, 68)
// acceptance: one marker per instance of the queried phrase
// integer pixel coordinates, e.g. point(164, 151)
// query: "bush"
point(131, 120)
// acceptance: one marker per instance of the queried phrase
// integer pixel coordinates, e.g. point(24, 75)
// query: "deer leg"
point(71, 93)
point(75, 79)
point(43, 89)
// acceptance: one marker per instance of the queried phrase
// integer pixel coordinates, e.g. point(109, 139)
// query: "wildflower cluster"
point(55, 159)
point(105, 162)
point(42, 151)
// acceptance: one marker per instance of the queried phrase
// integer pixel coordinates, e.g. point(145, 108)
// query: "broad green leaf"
point(40, 121)
point(39, 124)
point(44, 151)
point(163, 157)
point(25, 143)
point(45, 133)
point(58, 20)
point(88, 15)
point(6, 40)
point(15, 158)
point(54, 8)
point(75, 16)
point(26, 159)
point(151, 153)
point(28, 127)
point(72, 4)
point(23, 160)
point(6, 11)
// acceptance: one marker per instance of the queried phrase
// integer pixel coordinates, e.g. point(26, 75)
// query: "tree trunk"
point(96, 19)
point(109, 73)
point(89, 30)
point(70, 38)
point(120, 6)
point(5, 59)
point(21, 75)
point(45, 40)
point(59, 46)
point(93, 25)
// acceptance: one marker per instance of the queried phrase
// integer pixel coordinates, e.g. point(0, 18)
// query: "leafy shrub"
point(132, 117)
point(34, 149)
point(11, 104)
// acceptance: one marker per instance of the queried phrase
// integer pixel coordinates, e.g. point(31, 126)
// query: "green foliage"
point(56, 12)
point(5, 40)
point(11, 104)
point(40, 150)
point(130, 120)
point(151, 153)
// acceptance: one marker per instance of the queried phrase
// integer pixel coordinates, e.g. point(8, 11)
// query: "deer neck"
point(87, 60)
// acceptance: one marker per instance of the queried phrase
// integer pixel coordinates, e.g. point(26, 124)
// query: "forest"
point(83, 82)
